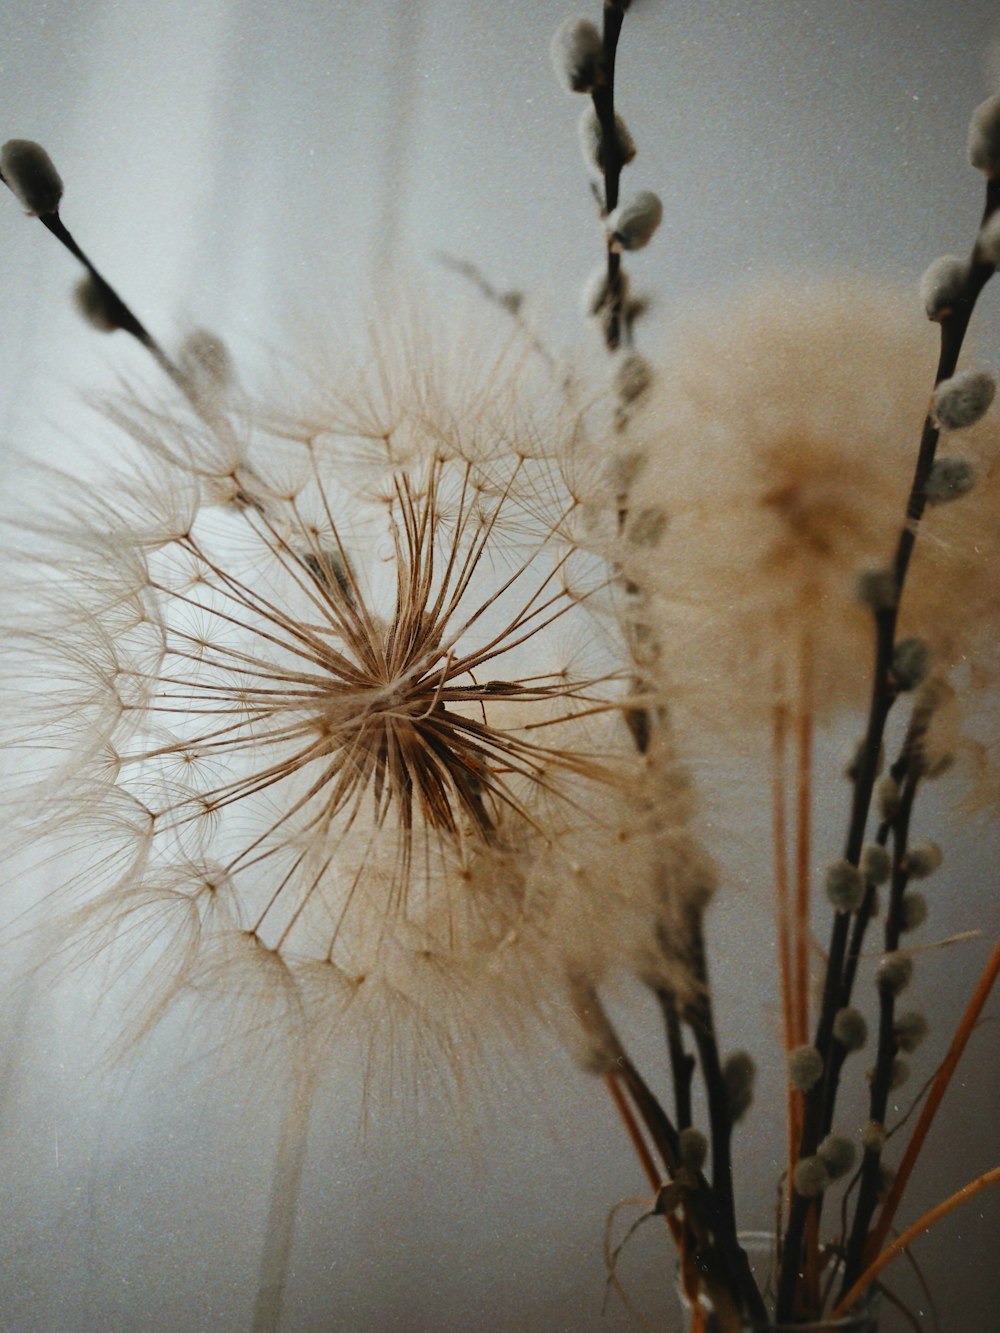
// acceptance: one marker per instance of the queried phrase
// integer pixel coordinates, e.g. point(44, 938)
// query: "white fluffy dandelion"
point(349, 685)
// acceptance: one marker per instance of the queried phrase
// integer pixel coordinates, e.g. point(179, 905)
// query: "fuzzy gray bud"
point(887, 798)
point(810, 1177)
point(899, 1072)
point(913, 911)
point(633, 224)
point(876, 864)
point(909, 1029)
point(692, 1148)
point(988, 242)
point(805, 1067)
point(98, 304)
point(739, 1073)
point(30, 174)
point(844, 885)
point(596, 294)
point(962, 400)
point(204, 361)
point(894, 972)
point(578, 58)
point(837, 1154)
point(878, 589)
point(633, 376)
point(984, 136)
point(647, 526)
point(911, 661)
point(873, 1136)
point(923, 860)
point(592, 140)
point(942, 286)
point(950, 479)
point(850, 1028)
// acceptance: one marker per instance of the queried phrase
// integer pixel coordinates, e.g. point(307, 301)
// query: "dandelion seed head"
point(359, 671)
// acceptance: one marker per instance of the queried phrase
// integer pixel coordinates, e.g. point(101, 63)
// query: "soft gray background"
point(236, 163)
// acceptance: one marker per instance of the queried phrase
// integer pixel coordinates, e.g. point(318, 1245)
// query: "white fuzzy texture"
point(333, 691)
point(988, 244)
point(950, 479)
point(592, 140)
point(894, 972)
point(876, 864)
point(984, 136)
point(30, 173)
point(811, 1177)
point(942, 285)
point(805, 1067)
point(633, 224)
point(838, 1155)
point(850, 1028)
point(844, 885)
point(961, 401)
point(577, 52)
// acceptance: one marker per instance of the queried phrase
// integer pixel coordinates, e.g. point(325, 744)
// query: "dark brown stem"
point(887, 1044)
point(682, 1064)
point(819, 1101)
point(604, 107)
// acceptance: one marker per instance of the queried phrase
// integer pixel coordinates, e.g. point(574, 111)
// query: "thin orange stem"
point(634, 1132)
point(941, 1081)
point(793, 1120)
point(689, 1275)
point(924, 1223)
point(803, 846)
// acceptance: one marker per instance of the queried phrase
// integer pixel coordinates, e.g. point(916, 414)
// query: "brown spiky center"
point(321, 704)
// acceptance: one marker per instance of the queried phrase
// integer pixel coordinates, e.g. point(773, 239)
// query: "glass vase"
point(761, 1250)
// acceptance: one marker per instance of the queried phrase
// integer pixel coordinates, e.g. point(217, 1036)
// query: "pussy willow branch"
point(604, 107)
point(954, 326)
point(682, 1064)
point(887, 1045)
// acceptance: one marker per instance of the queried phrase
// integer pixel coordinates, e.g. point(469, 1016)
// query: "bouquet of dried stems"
point(366, 706)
